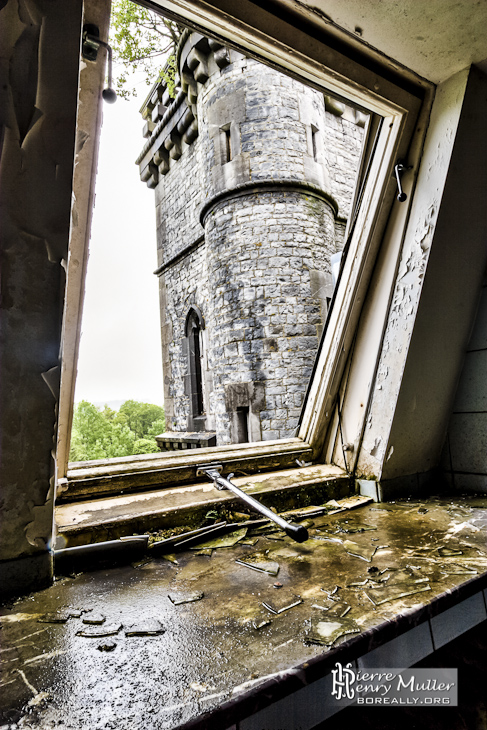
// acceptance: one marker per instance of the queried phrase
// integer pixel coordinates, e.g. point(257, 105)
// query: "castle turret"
point(253, 174)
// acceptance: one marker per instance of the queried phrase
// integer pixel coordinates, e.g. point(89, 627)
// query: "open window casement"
point(397, 104)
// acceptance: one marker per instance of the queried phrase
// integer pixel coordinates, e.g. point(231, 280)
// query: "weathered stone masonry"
point(253, 175)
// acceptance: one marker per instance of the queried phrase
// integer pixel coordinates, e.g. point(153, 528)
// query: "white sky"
point(120, 350)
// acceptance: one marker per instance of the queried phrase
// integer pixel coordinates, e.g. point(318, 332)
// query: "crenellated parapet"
point(171, 124)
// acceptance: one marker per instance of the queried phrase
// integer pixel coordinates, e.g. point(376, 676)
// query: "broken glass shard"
point(171, 557)
point(223, 542)
point(94, 619)
point(249, 541)
point(260, 562)
point(365, 552)
point(97, 631)
point(58, 617)
point(107, 645)
point(261, 624)
point(327, 632)
point(148, 627)
point(178, 598)
point(446, 552)
point(336, 609)
point(282, 602)
point(378, 596)
point(205, 551)
point(453, 569)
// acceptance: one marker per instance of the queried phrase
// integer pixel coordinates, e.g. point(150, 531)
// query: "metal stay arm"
point(212, 471)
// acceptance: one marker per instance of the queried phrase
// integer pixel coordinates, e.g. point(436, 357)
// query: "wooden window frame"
point(367, 80)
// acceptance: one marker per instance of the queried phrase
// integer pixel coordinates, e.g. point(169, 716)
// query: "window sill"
point(112, 517)
point(130, 474)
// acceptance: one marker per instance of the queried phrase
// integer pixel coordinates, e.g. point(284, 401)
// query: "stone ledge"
point(107, 519)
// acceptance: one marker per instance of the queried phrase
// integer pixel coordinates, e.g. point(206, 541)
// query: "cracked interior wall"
point(421, 302)
point(39, 54)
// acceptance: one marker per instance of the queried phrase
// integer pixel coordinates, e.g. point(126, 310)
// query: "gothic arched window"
point(194, 326)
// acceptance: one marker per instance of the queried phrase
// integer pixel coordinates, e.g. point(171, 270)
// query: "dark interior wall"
point(39, 60)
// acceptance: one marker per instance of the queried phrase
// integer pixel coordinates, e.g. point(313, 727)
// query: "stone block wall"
point(248, 213)
point(262, 316)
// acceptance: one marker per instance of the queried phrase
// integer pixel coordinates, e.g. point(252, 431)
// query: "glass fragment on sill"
point(94, 619)
point(327, 632)
point(335, 609)
point(259, 562)
point(223, 542)
point(282, 602)
point(147, 627)
point(364, 552)
point(178, 598)
point(249, 541)
point(453, 569)
point(208, 552)
point(171, 557)
point(446, 552)
point(261, 624)
point(109, 645)
point(98, 631)
point(59, 617)
point(378, 596)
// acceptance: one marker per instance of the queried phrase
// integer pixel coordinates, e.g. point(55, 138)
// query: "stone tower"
point(253, 175)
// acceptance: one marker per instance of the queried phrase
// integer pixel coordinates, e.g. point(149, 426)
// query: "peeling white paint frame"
point(394, 94)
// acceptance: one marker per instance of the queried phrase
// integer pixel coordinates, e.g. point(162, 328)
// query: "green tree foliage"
point(105, 434)
point(139, 417)
point(142, 41)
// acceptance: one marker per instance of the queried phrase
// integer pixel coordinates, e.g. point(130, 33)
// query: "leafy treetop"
point(144, 41)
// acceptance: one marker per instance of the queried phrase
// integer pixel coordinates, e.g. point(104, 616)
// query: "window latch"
point(399, 169)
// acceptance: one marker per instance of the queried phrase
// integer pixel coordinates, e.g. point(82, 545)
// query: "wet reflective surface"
point(164, 662)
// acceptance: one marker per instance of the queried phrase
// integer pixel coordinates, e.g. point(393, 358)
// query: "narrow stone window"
point(193, 334)
point(226, 137)
point(314, 142)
